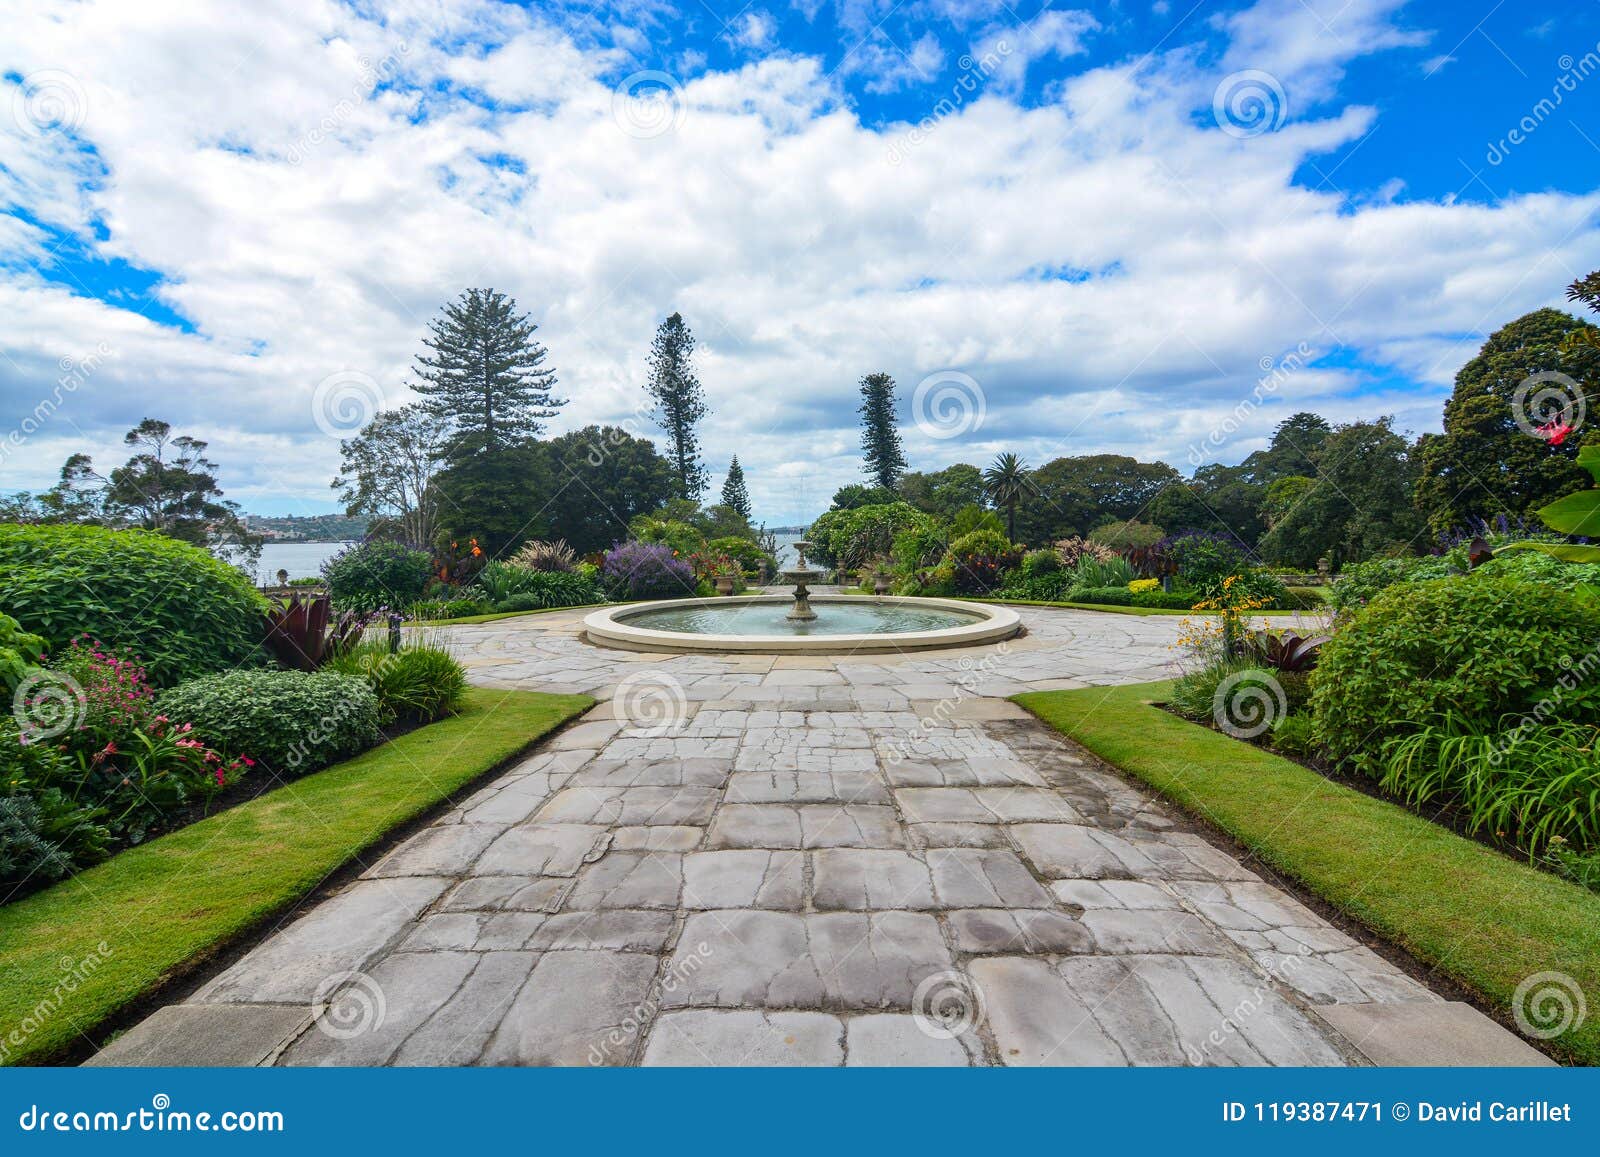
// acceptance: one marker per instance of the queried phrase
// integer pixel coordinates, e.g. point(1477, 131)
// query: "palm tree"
point(1004, 482)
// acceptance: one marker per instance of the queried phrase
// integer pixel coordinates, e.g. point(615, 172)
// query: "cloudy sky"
point(1062, 229)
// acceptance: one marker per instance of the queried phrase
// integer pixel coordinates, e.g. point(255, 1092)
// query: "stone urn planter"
point(880, 584)
point(724, 584)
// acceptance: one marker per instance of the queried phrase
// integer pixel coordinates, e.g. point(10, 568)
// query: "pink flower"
point(1554, 431)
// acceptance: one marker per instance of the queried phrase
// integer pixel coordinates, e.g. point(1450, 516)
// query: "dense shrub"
point(19, 652)
point(747, 554)
point(291, 721)
point(419, 683)
point(847, 538)
point(1204, 560)
point(1359, 582)
point(552, 589)
point(1104, 596)
point(677, 536)
point(373, 575)
point(450, 608)
point(982, 559)
point(1037, 563)
point(642, 570)
point(1163, 600)
point(183, 611)
point(1130, 535)
point(919, 547)
point(1474, 645)
point(1051, 587)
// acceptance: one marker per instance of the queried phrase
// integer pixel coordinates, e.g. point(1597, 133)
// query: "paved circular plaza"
point(821, 860)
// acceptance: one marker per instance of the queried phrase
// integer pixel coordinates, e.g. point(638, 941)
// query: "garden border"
point(1434, 886)
point(63, 925)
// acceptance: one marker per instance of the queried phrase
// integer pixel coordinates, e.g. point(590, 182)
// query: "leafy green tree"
point(1360, 506)
point(1005, 484)
point(1484, 464)
point(1129, 535)
point(1073, 495)
point(502, 499)
point(1296, 442)
point(880, 437)
point(1283, 495)
point(680, 402)
point(388, 470)
point(722, 521)
point(943, 492)
point(168, 485)
point(855, 495)
point(735, 494)
point(602, 478)
point(485, 375)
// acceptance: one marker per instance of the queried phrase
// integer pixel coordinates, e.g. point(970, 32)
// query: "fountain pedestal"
point(799, 576)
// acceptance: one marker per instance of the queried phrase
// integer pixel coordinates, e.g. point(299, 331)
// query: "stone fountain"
point(801, 574)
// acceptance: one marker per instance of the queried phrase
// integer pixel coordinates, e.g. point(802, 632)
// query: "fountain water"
point(800, 574)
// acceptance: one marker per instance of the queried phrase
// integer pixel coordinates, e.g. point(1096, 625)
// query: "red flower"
point(1554, 431)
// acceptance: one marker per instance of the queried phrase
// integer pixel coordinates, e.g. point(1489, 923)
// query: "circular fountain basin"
point(844, 623)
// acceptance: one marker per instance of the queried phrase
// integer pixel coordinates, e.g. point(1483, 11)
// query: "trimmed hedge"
point(291, 721)
point(1474, 646)
point(180, 610)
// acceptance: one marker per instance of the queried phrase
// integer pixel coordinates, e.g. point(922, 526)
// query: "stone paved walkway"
point(757, 860)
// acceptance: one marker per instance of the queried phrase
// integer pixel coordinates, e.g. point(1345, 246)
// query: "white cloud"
point(1110, 267)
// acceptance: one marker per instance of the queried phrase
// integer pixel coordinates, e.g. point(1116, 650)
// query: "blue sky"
point(1063, 228)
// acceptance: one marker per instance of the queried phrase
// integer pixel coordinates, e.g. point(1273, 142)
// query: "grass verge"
point(1107, 607)
point(495, 616)
point(161, 908)
point(1477, 916)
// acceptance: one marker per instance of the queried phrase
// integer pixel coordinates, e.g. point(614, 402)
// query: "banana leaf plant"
point(302, 633)
point(1578, 515)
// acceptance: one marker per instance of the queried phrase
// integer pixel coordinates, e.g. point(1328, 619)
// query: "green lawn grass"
point(1106, 607)
point(1477, 916)
point(494, 616)
point(162, 907)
